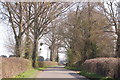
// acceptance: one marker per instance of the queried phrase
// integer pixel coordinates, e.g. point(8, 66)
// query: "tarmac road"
point(61, 73)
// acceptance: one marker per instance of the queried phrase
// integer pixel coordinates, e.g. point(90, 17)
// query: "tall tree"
point(53, 40)
point(85, 34)
point(16, 15)
point(47, 12)
point(112, 13)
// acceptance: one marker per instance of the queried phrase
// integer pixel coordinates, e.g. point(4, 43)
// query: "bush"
point(46, 63)
point(103, 66)
point(14, 66)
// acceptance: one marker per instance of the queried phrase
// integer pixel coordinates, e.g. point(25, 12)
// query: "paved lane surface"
point(59, 72)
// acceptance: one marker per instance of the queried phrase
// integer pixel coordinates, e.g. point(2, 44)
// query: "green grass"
point(40, 69)
point(73, 68)
point(23, 76)
point(27, 74)
point(91, 76)
point(31, 73)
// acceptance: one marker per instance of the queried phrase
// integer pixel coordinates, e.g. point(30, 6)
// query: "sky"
point(3, 30)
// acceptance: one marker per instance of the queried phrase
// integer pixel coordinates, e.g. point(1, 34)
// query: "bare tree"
point(85, 34)
point(54, 40)
point(47, 12)
point(112, 14)
point(16, 14)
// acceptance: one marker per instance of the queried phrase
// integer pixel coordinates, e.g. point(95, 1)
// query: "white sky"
point(3, 30)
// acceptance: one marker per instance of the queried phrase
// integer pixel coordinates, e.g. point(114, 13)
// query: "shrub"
point(46, 63)
point(14, 66)
point(103, 66)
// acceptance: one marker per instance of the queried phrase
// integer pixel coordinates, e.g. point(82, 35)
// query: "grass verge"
point(89, 75)
point(31, 73)
point(73, 68)
point(28, 74)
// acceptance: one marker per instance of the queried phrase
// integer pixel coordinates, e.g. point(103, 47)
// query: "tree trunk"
point(118, 45)
point(28, 46)
point(18, 46)
point(51, 53)
point(118, 51)
point(57, 56)
point(56, 53)
point(35, 53)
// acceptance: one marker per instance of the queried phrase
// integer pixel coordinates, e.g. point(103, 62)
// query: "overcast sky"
point(3, 30)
